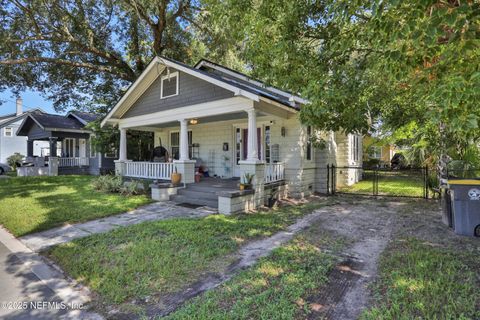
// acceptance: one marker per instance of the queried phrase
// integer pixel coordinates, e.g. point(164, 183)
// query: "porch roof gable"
point(152, 72)
point(50, 122)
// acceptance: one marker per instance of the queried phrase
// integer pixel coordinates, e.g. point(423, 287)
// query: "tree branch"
point(77, 64)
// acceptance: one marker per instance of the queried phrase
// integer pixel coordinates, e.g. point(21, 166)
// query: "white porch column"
point(253, 165)
point(184, 165)
point(252, 152)
point(123, 145)
point(120, 165)
point(183, 140)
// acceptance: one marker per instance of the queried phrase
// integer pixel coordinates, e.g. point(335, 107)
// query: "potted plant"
point(246, 181)
point(176, 177)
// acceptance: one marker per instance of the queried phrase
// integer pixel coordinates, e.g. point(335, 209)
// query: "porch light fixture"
point(283, 132)
point(193, 121)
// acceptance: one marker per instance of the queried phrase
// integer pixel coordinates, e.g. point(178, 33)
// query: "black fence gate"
point(411, 182)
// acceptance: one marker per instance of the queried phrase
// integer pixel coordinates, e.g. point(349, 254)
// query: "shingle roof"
point(47, 120)
point(7, 116)
point(11, 118)
point(87, 117)
point(243, 85)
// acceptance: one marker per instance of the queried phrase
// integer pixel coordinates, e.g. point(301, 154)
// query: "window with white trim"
point(308, 151)
point(8, 132)
point(169, 85)
point(375, 152)
point(93, 152)
point(175, 144)
point(267, 145)
point(69, 147)
point(355, 147)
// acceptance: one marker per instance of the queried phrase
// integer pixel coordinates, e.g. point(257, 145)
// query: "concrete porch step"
point(203, 194)
point(179, 198)
point(207, 188)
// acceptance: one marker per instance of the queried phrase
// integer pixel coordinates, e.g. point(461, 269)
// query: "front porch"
point(221, 148)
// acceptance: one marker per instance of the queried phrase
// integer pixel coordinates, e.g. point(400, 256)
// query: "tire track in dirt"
point(369, 227)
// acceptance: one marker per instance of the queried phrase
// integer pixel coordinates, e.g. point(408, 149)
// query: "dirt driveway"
point(369, 225)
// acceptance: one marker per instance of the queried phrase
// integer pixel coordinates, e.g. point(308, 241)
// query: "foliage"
point(104, 139)
point(83, 54)
point(371, 163)
point(166, 256)
point(107, 183)
point(14, 158)
point(107, 139)
point(395, 65)
point(420, 281)
point(468, 167)
point(247, 178)
point(33, 204)
point(433, 184)
point(131, 188)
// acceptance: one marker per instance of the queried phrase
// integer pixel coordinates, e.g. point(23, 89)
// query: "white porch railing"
point(149, 170)
point(73, 162)
point(274, 172)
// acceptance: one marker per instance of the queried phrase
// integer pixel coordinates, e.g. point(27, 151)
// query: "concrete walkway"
point(152, 212)
point(32, 289)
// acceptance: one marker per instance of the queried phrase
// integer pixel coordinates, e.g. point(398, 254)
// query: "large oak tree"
point(83, 53)
point(403, 66)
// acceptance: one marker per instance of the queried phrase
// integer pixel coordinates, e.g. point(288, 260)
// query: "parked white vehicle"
point(4, 168)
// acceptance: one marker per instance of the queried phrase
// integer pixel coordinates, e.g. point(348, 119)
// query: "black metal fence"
point(411, 182)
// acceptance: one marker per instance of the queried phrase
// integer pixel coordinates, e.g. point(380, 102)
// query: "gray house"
point(212, 118)
point(68, 140)
point(10, 142)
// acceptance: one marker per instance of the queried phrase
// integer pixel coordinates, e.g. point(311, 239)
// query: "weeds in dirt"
point(421, 281)
point(277, 287)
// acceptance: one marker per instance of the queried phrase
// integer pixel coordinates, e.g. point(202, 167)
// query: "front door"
point(241, 147)
point(82, 148)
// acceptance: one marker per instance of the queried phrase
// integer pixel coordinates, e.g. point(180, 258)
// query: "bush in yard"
point(131, 188)
point(13, 159)
point(107, 183)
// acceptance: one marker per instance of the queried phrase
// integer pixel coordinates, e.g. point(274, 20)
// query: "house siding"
point(191, 91)
point(302, 176)
point(10, 145)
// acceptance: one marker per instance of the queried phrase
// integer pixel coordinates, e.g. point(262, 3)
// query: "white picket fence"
point(274, 172)
point(73, 162)
point(149, 170)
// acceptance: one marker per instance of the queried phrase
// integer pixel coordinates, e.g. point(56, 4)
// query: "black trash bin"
point(465, 197)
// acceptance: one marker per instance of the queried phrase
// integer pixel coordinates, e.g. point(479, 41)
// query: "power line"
point(23, 105)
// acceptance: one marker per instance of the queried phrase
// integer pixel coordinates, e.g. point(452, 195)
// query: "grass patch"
point(277, 287)
point(32, 204)
point(389, 183)
point(164, 256)
point(419, 281)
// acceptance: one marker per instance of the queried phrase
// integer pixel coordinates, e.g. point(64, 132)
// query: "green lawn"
point(421, 281)
point(31, 204)
point(277, 287)
point(165, 256)
point(389, 183)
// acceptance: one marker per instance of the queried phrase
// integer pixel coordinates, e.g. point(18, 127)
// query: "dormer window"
point(169, 85)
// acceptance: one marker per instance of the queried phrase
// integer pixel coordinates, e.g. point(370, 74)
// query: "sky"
point(31, 100)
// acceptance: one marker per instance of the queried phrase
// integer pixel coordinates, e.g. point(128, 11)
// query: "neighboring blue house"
point(10, 142)
point(68, 138)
